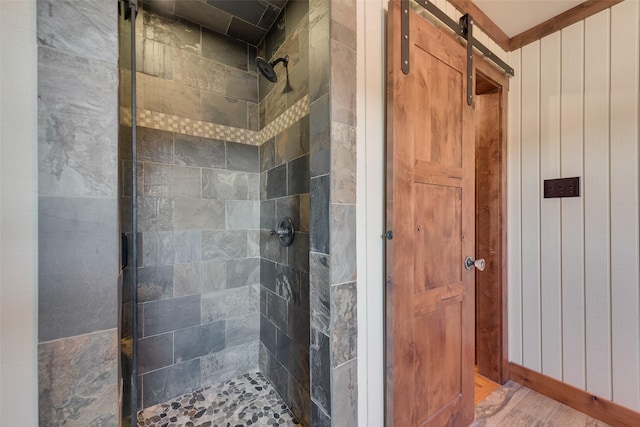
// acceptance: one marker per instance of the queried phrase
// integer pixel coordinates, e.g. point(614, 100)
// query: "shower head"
point(266, 68)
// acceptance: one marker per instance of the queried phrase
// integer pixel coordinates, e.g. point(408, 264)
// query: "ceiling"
point(250, 20)
point(246, 20)
point(515, 16)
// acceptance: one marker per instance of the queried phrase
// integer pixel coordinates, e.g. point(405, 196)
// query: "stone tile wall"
point(191, 72)
point(198, 261)
point(332, 40)
point(289, 36)
point(78, 223)
point(198, 210)
point(284, 165)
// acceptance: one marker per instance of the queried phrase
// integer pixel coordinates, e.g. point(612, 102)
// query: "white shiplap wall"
point(18, 214)
point(574, 282)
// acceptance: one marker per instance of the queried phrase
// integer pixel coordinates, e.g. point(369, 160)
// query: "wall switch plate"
point(562, 187)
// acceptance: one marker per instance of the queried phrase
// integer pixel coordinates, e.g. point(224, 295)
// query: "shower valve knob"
point(284, 231)
point(281, 232)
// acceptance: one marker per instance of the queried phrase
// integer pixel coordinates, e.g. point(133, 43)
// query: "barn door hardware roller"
point(463, 29)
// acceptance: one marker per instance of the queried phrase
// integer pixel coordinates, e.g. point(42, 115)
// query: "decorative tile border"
point(171, 123)
point(177, 124)
point(286, 119)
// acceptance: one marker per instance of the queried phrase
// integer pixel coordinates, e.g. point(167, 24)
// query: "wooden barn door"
point(431, 213)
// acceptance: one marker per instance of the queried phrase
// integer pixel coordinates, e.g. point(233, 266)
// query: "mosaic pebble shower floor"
point(248, 400)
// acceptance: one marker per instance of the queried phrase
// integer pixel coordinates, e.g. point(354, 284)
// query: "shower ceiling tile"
point(269, 17)
point(247, 10)
point(245, 31)
point(203, 14)
point(278, 3)
point(166, 6)
point(247, 20)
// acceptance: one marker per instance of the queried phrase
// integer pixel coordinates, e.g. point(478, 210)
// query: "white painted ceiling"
point(516, 16)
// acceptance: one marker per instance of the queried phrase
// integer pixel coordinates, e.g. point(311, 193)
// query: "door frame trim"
point(501, 81)
point(370, 182)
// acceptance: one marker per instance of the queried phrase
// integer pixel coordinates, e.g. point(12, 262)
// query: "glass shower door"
point(127, 164)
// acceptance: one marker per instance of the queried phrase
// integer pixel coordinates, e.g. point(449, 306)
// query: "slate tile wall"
point(78, 380)
point(199, 265)
point(288, 36)
point(285, 188)
point(199, 210)
point(332, 40)
point(342, 215)
point(320, 259)
point(77, 213)
point(284, 275)
point(191, 72)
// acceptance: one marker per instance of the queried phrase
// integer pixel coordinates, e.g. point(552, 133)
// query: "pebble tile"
point(248, 400)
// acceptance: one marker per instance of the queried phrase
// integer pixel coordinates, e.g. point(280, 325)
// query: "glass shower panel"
point(128, 381)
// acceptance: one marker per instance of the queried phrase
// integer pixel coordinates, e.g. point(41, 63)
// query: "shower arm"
point(284, 60)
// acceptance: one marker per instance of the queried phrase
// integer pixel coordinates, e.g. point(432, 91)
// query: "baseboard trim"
point(594, 406)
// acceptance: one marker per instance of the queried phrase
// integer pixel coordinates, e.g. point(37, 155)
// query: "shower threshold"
point(247, 400)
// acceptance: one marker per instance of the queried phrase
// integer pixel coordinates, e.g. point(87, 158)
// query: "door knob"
point(479, 263)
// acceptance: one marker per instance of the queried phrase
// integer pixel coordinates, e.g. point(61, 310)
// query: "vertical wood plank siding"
point(574, 282)
point(624, 203)
point(572, 209)
point(596, 219)
point(514, 210)
point(531, 205)
point(550, 218)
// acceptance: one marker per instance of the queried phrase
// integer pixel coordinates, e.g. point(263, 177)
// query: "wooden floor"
point(483, 388)
point(513, 405)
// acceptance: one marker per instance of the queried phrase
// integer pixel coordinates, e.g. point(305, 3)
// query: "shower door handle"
point(124, 251)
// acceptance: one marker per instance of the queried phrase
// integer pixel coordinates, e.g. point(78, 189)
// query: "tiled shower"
point(223, 154)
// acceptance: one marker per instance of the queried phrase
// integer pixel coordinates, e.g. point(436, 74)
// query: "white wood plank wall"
point(550, 232)
point(574, 263)
point(514, 211)
point(572, 209)
point(530, 171)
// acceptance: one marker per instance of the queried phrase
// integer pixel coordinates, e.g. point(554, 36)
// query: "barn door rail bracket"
point(466, 24)
point(463, 29)
point(405, 5)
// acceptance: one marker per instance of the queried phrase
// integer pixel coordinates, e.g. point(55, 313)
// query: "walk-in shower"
point(215, 212)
